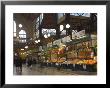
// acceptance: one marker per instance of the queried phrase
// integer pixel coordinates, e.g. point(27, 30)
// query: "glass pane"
point(37, 20)
point(42, 15)
point(14, 26)
point(41, 18)
point(63, 32)
point(44, 31)
point(52, 32)
point(23, 40)
point(60, 15)
point(81, 14)
point(37, 25)
point(75, 14)
point(86, 14)
point(22, 32)
point(14, 34)
point(40, 21)
point(24, 36)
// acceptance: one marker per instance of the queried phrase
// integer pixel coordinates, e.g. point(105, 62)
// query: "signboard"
point(77, 35)
point(49, 31)
point(66, 39)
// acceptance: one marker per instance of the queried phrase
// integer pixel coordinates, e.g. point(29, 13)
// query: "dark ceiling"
point(29, 16)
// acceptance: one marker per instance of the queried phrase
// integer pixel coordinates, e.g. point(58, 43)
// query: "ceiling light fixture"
point(61, 27)
point(26, 47)
point(48, 35)
point(45, 36)
point(67, 26)
point(22, 49)
point(20, 25)
point(38, 40)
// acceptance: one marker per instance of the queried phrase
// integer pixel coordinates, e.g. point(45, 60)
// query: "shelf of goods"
point(77, 57)
point(88, 65)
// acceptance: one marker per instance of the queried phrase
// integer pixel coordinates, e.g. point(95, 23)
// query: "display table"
point(73, 67)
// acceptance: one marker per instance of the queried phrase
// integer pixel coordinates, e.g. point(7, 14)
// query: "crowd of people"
point(18, 62)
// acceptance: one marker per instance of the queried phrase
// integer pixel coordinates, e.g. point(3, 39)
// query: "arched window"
point(22, 36)
point(14, 29)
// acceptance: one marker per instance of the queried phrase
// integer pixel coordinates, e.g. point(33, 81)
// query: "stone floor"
point(37, 70)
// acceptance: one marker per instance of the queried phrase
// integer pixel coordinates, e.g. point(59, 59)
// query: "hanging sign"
point(77, 35)
point(66, 39)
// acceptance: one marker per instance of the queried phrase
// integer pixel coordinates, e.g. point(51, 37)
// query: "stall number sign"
point(76, 35)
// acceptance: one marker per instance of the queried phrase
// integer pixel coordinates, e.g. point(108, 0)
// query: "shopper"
point(29, 61)
point(18, 63)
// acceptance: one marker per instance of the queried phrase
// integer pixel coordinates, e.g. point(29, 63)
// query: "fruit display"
point(53, 60)
point(80, 62)
point(90, 62)
point(72, 54)
point(60, 61)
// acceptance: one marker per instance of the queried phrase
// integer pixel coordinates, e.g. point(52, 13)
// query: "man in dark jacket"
point(18, 63)
point(29, 61)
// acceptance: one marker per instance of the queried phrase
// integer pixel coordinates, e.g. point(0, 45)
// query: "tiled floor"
point(37, 70)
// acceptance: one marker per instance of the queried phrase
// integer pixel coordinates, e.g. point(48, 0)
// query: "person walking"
point(29, 62)
point(18, 63)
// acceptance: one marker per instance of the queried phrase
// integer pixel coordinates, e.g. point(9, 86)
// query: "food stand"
point(76, 54)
